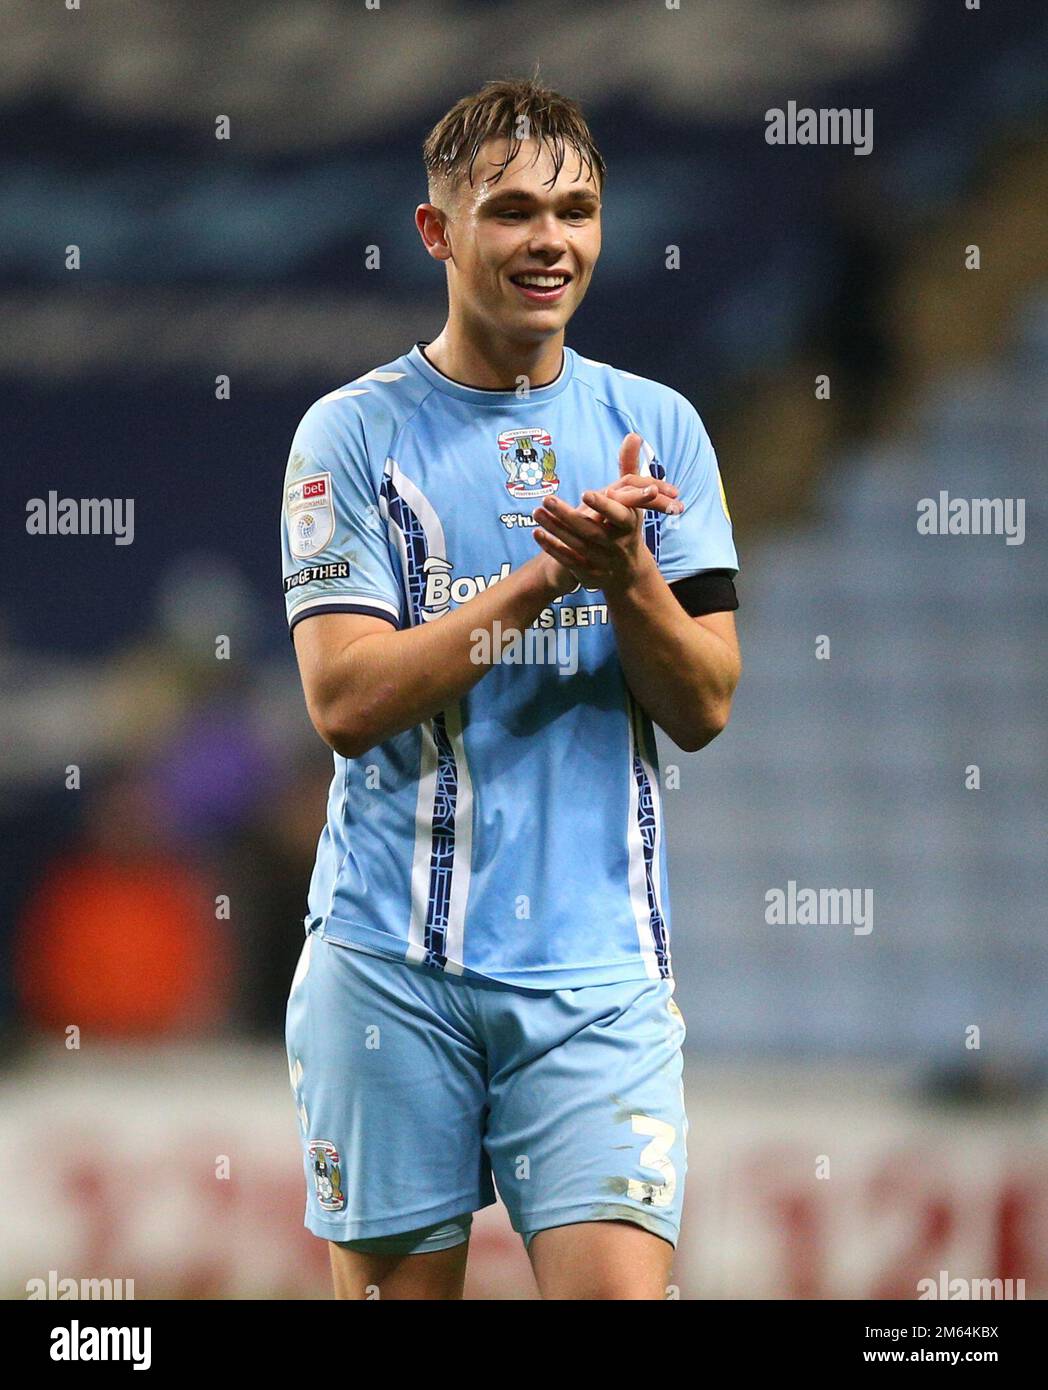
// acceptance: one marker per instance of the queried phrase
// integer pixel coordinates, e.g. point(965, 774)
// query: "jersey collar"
point(482, 395)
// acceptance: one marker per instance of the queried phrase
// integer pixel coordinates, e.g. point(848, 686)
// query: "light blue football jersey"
point(518, 834)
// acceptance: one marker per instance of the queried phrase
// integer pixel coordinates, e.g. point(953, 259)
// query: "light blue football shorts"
point(416, 1088)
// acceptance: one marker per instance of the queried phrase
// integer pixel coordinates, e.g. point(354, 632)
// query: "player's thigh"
point(369, 1276)
point(389, 1085)
point(587, 1121)
point(600, 1260)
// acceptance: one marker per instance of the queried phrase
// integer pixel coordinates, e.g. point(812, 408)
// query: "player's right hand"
point(650, 494)
point(633, 491)
point(637, 491)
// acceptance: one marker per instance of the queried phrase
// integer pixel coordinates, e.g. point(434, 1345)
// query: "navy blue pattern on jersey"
point(653, 520)
point(646, 824)
point(415, 547)
point(445, 799)
point(442, 851)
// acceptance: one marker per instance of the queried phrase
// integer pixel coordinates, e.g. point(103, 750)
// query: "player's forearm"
point(681, 674)
point(388, 682)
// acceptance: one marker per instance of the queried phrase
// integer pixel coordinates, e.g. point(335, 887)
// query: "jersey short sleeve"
point(332, 533)
point(700, 538)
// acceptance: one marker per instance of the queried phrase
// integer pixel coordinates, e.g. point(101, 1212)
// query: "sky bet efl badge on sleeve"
point(310, 515)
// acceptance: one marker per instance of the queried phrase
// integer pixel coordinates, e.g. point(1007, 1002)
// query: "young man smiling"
point(485, 989)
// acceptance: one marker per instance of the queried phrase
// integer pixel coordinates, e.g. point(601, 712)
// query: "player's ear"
point(431, 224)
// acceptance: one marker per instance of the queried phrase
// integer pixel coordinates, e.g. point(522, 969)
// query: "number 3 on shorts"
point(655, 1157)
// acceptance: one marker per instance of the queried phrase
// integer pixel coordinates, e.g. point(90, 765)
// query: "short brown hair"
point(495, 112)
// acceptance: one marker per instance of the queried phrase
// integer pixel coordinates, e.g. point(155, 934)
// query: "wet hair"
point(515, 110)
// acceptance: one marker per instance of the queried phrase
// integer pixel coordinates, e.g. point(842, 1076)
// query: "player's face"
point(505, 233)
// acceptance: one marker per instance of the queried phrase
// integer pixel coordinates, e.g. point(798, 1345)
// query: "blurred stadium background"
point(202, 779)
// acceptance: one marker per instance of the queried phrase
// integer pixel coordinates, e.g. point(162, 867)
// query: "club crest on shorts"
point(529, 461)
point(327, 1174)
point(310, 514)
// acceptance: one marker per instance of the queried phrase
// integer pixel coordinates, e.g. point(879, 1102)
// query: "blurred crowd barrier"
point(179, 1168)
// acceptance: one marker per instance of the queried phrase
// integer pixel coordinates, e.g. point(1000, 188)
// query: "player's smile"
point(542, 286)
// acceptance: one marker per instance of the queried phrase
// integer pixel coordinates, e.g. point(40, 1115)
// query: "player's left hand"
point(600, 542)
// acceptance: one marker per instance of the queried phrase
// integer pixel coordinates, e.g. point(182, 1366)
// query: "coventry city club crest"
point(327, 1174)
point(530, 463)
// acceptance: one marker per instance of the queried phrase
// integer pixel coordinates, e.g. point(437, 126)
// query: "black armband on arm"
point(712, 591)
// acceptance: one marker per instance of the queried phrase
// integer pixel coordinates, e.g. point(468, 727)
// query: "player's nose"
point(547, 236)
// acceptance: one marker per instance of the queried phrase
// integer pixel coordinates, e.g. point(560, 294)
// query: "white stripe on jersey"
point(645, 458)
point(638, 880)
point(460, 872)
point(656, 808)
point(420, 862)
point(345, 391)
point(436, 547)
